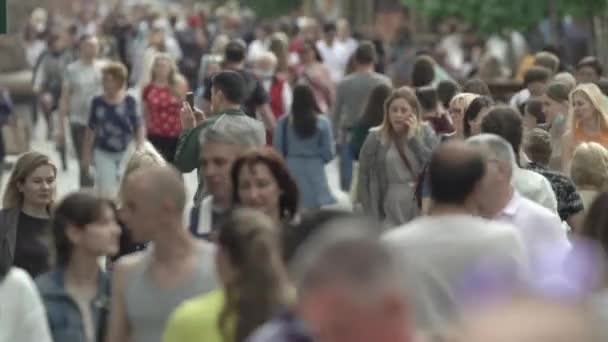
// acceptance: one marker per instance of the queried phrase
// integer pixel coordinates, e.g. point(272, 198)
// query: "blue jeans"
point(346, 166)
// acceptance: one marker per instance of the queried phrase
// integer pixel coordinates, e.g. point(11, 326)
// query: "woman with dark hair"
point(77, 292)
point(433, 112)
point(305, 140)
point(313, 72)
point(372, 116)
point(254, 281)
point(24, 219)
point(474, 115)
point(392, 159)
point(262, 181)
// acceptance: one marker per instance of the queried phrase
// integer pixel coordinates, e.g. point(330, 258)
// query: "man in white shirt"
point(335, 54)
point(541, 229)
point(443, 251)
point(505, 122)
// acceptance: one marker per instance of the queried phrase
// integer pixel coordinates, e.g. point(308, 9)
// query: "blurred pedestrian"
point(25, 216)
point(22, 310)
point(81, 83)
point(254, 284)
point(505, 122)
point(162, 102)
point(304, 138)
point(255, 100)
point(440, 249)
point(458, 107)
point(113, 125)
point(392, 159)
point(147, 156)
point(348, 286)
point(148, 286)
point(351, 96)
point(76, 292)
point(262, 181)
point(48, 77)
point(220, 147)
point(228, 91)
point(589, 70)
point(589, 171)
point(276, 85)
point(313, 72)
point(540, 228)
point(537, 146)
point(588, 121)
point(556, 111)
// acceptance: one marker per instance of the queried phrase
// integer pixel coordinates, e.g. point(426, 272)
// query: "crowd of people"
point(471, 218)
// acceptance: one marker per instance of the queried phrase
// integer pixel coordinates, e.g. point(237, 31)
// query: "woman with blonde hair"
point(588, 120)
point(392, 158)
point(589, 171)
point(458, 106)
point(25, 233)
point(162, 101)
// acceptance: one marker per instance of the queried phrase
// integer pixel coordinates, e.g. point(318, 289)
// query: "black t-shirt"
point(255, 94)
point(32, 245)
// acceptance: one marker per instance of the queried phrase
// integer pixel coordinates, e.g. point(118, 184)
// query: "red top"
point(163, 111)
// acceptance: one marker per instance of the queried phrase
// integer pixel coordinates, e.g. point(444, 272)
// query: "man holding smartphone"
point(227, 92)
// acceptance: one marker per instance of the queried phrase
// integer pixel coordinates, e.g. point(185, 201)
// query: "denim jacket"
point(64, 316)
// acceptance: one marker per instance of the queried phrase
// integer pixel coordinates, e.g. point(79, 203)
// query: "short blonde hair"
point(146, 156)
point(590, 166)
point(117, 71)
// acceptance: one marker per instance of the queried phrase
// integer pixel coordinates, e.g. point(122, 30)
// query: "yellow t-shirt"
point(196, 320)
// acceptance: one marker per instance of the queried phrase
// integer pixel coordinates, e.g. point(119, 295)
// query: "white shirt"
point(542, 230)
point(335, 58)
point(534, 187)
point(22, 314)
point(438, 252)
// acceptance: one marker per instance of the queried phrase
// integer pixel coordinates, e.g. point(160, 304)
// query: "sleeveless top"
point(148, 306)
point(580, 136)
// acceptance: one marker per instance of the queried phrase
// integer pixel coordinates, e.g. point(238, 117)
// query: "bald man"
point(443, 251)
point(149, 285)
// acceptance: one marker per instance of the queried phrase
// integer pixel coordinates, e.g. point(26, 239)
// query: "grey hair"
point(496, 146)
point(346, 254)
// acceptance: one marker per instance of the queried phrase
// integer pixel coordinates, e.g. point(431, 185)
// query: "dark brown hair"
point(290, 198)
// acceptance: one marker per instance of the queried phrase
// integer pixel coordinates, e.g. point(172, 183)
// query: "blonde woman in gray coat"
point(392, 158)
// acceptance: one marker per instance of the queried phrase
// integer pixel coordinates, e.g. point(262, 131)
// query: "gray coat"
point(373, 181)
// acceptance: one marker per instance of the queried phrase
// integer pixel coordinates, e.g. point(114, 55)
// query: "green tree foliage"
point(272, 8)
point(494, 16)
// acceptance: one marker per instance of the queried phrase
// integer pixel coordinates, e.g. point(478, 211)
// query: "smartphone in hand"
point(190, 99)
